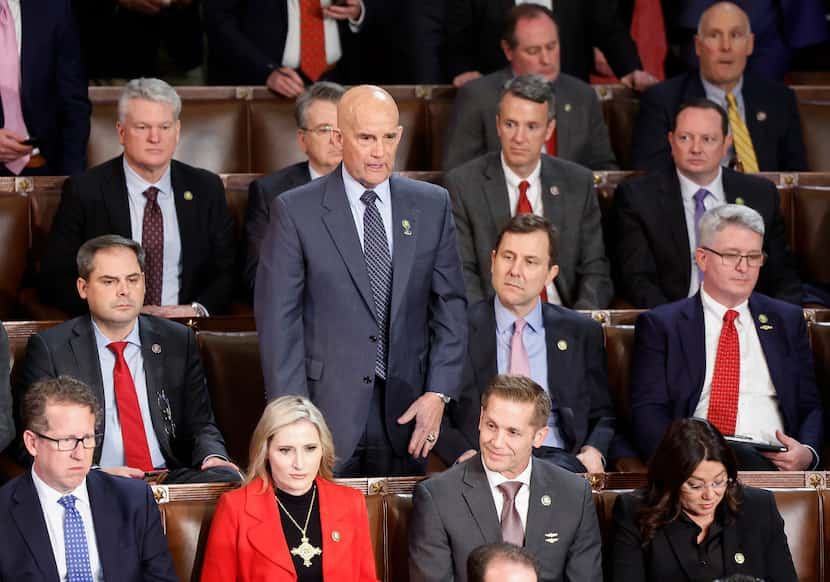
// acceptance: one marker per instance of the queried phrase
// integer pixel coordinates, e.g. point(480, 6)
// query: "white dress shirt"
point(717, 198)
point(291, 53)
point(53, 513)
point(522, 499)
point(758, 413)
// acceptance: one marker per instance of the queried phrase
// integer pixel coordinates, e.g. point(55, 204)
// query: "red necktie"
point(524, 207)
point(649, 34)
point(312, 40)
point(136, 449)
point(10, 83)
point(152, 239)
point(550, 145)
point(723, 399)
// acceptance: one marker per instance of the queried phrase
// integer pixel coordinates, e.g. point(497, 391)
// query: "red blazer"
point(246, 543)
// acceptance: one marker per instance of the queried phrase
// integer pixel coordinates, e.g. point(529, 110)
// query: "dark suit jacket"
point(771, 118)
point(246, 39)
point(131, 543)
point(475, 27)
point(6, 415)
point(97, 203)
point(757, 532)
point(53, 84)
point(186, 432)
point(581, 133)
point(316, 317)
point(577, 381)
point(480, 205)
point(669, 367)
point(652, 245)
point(453, 513)
point(261, 193)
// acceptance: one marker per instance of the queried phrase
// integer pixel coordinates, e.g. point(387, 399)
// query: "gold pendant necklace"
point(305, 550)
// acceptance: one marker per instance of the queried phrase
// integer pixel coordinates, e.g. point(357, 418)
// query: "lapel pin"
point(553, 537)
point(568, 107)
point(761, 116)
point(335, 535)
point(739, 200)
point(763, 318)
point(156, 348)
point(562, 345)
point(766, 327)
point(188, 195)
point(739, 558)
point(407, 227)
point(554, 190)
point(546, 500)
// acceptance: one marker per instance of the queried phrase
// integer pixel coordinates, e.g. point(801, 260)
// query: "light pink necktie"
point(519, 362)
point(10, 83)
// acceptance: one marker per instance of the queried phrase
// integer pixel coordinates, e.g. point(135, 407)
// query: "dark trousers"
point(374, 455)
point(561, 458)
point(212, 475)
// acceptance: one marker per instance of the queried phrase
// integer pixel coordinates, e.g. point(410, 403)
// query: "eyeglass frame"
point(77, 440)
point(321, 131)
point(723, 256)
point(713, 486)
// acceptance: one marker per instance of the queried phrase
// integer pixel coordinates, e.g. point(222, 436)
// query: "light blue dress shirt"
point(112, 451)
point(354, 190)
point(533, 337)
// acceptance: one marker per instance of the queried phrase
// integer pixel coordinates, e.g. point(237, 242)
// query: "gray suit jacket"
point(6, 418)
point(316, 317)
point(454, 513)
point(480, 204)
point(581, 133)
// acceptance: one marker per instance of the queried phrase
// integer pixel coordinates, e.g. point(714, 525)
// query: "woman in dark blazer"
point(290, 522)
point(694, 521)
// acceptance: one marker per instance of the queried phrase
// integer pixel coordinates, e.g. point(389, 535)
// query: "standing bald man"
point(360, 301)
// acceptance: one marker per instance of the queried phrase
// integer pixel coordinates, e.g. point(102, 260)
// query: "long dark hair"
point(687, 443)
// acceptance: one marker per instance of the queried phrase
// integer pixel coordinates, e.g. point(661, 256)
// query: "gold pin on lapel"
point(407, 227)
point(188, 195)
point(761, 116)
point(546, 500)
point(335, 535)
point(562, 345)
point(156, 348)
point(763, 318)
point(766, 327)
point(739, 200)
point(739, 558)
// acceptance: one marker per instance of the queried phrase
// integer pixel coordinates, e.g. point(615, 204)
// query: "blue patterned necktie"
point(78, 568)
point(700, 210)
point(379, 264)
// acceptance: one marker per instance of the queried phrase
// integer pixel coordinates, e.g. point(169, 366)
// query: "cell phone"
point(338, 2)
point(758, 445)
point(31, 141)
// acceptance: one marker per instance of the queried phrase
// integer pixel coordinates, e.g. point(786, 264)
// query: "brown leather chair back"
point(187, 525)
point(273, 135)
point(803, 526)
point(811, 232)
point(619, 347)
point(14, 240)
point(815, 128)
point(377, 532)
point(620, 107)
point(398, 518)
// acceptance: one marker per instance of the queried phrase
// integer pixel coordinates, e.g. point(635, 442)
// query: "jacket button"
point(367, 379)
point(373, 338)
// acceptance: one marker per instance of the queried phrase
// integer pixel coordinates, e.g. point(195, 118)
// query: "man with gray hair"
point(315, 112)
point(487, 191)
point(177, 212)
point(738, 358)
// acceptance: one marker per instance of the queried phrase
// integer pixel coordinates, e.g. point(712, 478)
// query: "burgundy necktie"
point(152, 239)
point(10, 84)
point(524, 207)
point(726, 380)
point(512, 530)
point(136, 449)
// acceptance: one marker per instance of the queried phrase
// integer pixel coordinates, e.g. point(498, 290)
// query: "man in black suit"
point(178, 213)
point(315, 112)
point(167, 400)
point(655, 219)
point(767, 110)
point(564, 350)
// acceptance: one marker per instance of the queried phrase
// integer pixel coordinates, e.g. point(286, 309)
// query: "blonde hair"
point(278, 414)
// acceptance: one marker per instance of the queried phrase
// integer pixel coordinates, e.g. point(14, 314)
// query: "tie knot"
point(151, 193)
point(68, 501)
point(730, 316)
point(117, 348)
point(730, 98)
point(523, 186)
point(368, 198)
point(509, 489)
point(701, 195)
point(519, 326)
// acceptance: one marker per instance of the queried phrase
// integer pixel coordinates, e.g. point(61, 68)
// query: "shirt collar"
point(495, 479)
point(313, 173)
point(102, 341)
point(717, 310)
point(688, 188)
point(718, 93)
point(49, 496)
point(354, 189)
point(513, 179)
point(506, 318)
point(137, 185)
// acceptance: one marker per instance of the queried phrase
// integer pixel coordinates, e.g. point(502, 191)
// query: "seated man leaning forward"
point(145, 372)
point(738, 358)
point(506, 495)
point(61, 521)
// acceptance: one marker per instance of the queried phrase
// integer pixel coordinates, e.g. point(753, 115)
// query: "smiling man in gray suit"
point(487, 191)
point(359, 298)
point(504, 494)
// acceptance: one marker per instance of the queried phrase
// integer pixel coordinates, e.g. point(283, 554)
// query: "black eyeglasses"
point(753, 260)
point(71, 443)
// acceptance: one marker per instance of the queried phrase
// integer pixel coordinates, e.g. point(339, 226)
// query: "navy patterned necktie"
point(78, 568)
point(379, 264)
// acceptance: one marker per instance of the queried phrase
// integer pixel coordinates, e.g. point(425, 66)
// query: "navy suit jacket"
point(53, 84)
point(669, 368)
point(316, 317)
point(771, 117)
point(577, 381)
point(131, 543)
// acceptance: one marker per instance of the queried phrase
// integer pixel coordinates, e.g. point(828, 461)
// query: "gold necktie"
point(740, 138)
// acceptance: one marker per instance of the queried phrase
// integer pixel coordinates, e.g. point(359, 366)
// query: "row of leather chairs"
point(802, 499)
point(246, 129)
point(27, 207)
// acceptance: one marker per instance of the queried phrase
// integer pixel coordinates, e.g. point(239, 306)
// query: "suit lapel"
point(677, 536)
point(560, 365)
point(691, 332)
point(265, 537)
point(752, 111)
point(552, 209)
point(340, 224)
point(480, 501)
point(84, 350)
point(105, 512)
point(775, 351)
point(117, 199)
point(405, 238)
point(495, 192)
point(673, 214)
point(731, 548)
point(564, 127)
point(187, 215)
point(542, 519)
point(28, 516)
point(153, 353)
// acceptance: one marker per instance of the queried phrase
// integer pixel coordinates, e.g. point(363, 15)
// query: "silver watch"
point(443, 397)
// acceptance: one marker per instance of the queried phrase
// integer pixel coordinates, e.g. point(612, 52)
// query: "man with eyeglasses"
point(731, 355)
point(62, 521)
point(763, 114)
point(655, 217)
point(315, 112)
point(144, 370)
